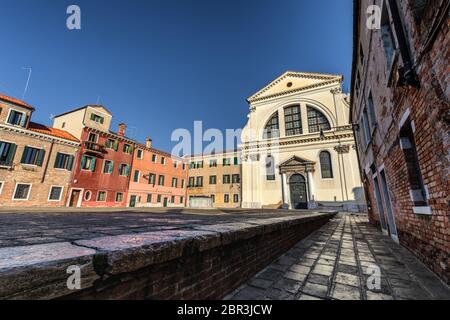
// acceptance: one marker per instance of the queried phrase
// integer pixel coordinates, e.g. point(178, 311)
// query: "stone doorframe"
point(297, 165)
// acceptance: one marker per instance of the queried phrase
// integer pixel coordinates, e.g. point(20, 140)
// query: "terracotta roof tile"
point(15, 101)
point(40, 128)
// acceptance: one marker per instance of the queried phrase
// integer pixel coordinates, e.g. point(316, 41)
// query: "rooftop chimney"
point(122, 128)
point(148, 142)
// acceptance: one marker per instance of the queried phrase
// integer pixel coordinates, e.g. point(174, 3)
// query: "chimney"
point(148, 142)
point(122, 128)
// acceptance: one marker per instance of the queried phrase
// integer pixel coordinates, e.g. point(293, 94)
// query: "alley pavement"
point(341, 261)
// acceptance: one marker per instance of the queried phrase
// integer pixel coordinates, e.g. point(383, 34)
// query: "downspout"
point(47, 162)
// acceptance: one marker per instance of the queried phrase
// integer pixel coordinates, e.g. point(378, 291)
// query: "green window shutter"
point(92, 116)
point(116, 145)
point(102, 120)
point(93, 164)
point(11, 116)
point(70, 163)
point(127, 170)
point(83, 162)
point(57, 160)
point(111, 168)
point(23, 120)
point(24, 154)
point(11, 153)
point(40, 157)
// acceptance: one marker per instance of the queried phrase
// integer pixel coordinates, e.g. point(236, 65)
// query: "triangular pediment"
point(296, 161)
point(292, 82)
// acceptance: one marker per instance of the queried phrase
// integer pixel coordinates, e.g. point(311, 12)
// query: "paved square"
point(335, 263)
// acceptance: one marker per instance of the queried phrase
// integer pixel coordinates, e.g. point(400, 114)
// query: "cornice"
point(34, 134)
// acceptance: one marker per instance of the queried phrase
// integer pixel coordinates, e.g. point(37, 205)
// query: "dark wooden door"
point(299, 193)
point(165, 202)
point(74, 197)
point(132, 201)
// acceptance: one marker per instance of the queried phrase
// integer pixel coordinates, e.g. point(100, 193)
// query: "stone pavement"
point(333, 263)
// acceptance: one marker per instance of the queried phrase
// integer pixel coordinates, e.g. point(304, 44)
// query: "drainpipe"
point(47, 162)
point(408, 75)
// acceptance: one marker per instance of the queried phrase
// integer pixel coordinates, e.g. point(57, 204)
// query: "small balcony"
point(93, 148)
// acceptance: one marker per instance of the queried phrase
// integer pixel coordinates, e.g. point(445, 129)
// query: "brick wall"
point(209, 274)
point(428, 106)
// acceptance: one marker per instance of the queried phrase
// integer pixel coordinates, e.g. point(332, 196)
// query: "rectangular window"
point(270, 168)
point(33, 156)
point(199, 182)
point(136, 176)
point(236, 161)
point(366, 127)
point(64, 161)
point(159, 198)
point(93, 137)
point(119, 197)
point(149, 198)
point(212, 179)
point(387, 37)
point(192, 165)
point(55, 194)
point(226, 198)
point(22, 191)
point(154, 158)
point(161, 181)
point(372, 114)
point(127, 148)
point(172, 199)
point(181, 200)
point(226, 162)
point(152, 179)
point(226, 179)
point(199, 165)
point(213, 198)
point(88, 163)
point(191, 182)
point(124, 170)
point(108, 166)
point(182, 183)
point(112, 144)
point(17, 118)
point(293, 121)
point(140, 154)
point(97, 118)
point(175, 164)
point(212, 163)
point(236, 198)
point(101, 196)
point(7, 152)
point(163, 160)
point(1, 186)
point(184, 166)
point(236, 178)
point(174, 183)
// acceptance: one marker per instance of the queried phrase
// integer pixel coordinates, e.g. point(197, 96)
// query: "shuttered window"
point(64, 161)
point(7, 152)
point(33, 156)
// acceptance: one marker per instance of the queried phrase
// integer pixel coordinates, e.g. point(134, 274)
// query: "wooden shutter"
point(24, 154)
point(11, 153)
point(40, 157)
point(82, 162)
point(93, 164)
point(70, 163)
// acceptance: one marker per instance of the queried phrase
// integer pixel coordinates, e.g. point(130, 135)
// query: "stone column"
point(284, 190)
point(311, 190)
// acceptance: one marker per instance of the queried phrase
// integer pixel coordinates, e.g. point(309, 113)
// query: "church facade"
point(298, 149)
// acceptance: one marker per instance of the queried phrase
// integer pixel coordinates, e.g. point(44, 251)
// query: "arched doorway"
point(298, 190)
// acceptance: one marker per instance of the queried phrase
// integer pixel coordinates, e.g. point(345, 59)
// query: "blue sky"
point(161, 65)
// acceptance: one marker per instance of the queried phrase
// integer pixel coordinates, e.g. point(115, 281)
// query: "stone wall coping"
point(40, 271)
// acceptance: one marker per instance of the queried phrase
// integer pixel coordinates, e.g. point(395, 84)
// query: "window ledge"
point(423, 210)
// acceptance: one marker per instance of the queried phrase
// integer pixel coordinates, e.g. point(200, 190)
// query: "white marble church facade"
point(298, 149)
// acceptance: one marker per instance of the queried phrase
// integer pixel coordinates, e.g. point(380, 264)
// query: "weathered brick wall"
point(426, 236)
point(209, 274)
point(41, 181)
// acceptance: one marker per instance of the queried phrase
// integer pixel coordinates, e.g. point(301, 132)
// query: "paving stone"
point(308, 297)
point(323, 270)
point(250, 293)
point(300, 269)
point(378, 296)
point(295, 276)
point(306, 262)
point(260, 283)
point(314, 289)
point(347, 279)
point(289, 285)
point(319, 279)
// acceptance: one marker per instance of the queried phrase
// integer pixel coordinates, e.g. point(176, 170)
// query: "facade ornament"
point(342, 149)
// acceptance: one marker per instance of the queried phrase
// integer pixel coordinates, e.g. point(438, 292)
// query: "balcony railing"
point(93, 147)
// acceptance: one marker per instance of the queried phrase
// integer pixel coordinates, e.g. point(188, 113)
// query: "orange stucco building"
point(157, 178)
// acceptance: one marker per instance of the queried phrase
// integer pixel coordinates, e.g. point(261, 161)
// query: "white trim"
point(80, 198)
point(98, 193)
point(2, 184)
point(19, 111)
point(403, 119)
point(332, 167)
point(29, 191)
point(85, 193)
point(50, 192)
point(115, 197)
point(425, 210)
point(103, 167)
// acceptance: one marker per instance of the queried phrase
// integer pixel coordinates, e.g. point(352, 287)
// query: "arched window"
point(272, 129)
point(293, 121)
point(317, 121)
point(270, 168)
point(325, 165)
